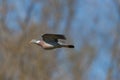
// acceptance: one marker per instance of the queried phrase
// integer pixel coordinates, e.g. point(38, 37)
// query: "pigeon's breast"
point(47, 46)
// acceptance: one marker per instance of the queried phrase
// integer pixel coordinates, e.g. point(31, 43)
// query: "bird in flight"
point(50, 41)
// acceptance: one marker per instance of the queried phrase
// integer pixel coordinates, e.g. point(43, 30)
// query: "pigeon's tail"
point(68, 46)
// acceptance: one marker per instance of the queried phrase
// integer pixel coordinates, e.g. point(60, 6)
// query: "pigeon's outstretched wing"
point(52, 38)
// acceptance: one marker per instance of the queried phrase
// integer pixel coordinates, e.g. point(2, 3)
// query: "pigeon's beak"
point(30, 42)
point(33, 41)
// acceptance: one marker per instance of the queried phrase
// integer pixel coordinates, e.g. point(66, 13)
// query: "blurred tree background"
point(93, 26)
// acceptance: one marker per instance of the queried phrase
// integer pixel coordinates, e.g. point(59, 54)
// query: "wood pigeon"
point(50, 41)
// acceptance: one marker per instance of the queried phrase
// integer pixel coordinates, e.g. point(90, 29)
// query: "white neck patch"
point(38, 41)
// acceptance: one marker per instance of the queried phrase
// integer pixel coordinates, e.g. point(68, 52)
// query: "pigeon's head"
point(35, 41)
